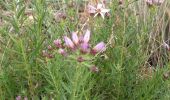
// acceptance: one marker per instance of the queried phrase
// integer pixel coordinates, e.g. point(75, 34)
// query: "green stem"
point(75, 82)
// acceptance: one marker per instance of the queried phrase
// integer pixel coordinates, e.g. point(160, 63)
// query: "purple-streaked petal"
point(75, 37)
point(84, 47)
point(86, 37)
point(57, 43)
point(68, 42)
point(98, 48)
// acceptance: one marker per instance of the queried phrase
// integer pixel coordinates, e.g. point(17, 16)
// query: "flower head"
point(80, 48)
point(100, 9)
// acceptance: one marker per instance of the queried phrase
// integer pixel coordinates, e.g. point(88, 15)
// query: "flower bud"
point(98, 48)
point(80, 59)
point(86, 37)
point(68, 42)
point(18, 98)
point(57, 43)
point(62, 52)
point(120, 2)
point(81, 38)
point(44, 53)
point(75, 38)
point(84, 47)
point(94, 69)
point(50, 56)
point(25, 98)
point(49, 47)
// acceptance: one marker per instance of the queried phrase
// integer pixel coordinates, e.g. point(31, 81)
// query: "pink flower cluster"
point(154, 2)
point(80, 43)
point(79, 46)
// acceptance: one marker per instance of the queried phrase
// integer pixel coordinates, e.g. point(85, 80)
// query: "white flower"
point(100, 9)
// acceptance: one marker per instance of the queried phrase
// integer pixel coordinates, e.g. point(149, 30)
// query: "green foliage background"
point(134, 32)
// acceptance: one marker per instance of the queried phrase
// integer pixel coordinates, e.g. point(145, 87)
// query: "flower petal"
point(98, 48)
point(68, 42)
point(75, 37)
point(86, 36)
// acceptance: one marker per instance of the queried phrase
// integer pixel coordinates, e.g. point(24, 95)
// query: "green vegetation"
point(134, 66)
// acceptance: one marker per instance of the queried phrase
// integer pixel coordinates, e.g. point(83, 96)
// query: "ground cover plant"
point(84, 49)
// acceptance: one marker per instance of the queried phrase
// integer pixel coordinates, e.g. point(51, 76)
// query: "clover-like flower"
point(100, 9)
point(80, 48)
point(79, 42)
